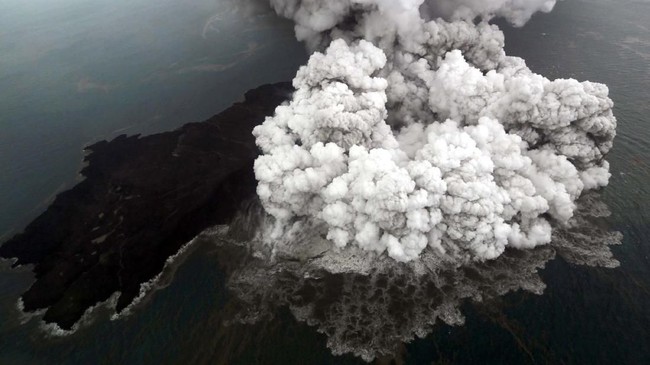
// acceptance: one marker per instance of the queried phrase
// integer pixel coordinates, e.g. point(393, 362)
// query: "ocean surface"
point(73, 72)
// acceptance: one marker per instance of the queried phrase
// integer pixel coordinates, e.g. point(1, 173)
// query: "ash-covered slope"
point(142, 199)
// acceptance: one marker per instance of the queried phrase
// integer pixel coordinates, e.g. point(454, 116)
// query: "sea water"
point(586, 315)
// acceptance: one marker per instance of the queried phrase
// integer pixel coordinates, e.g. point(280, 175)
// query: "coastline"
point(142, 200)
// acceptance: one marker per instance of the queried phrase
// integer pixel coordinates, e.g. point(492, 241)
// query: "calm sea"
point(76, 71)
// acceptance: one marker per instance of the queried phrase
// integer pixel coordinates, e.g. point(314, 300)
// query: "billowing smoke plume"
point(518, 12)
point(407, 135)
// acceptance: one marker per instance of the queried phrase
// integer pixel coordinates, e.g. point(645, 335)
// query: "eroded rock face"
point(141, 200)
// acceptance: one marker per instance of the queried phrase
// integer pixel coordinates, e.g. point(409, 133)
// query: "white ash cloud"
point(518, 12)
point(406, 135)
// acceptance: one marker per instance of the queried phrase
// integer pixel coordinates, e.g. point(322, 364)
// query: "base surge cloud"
point(411, 130)
point(369, 306)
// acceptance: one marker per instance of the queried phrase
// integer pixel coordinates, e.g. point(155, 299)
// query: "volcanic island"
point(141, 200)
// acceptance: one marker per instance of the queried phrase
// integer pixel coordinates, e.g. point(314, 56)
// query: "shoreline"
point(139, 201)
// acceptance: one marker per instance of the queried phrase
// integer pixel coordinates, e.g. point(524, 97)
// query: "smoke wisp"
point(407, 135)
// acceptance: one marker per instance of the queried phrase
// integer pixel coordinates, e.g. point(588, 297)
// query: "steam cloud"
point(408, 134)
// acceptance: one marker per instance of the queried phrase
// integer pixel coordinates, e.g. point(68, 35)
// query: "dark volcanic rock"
point(142, 199)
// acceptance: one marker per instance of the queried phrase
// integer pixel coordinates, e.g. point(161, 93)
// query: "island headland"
point(141, 200)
